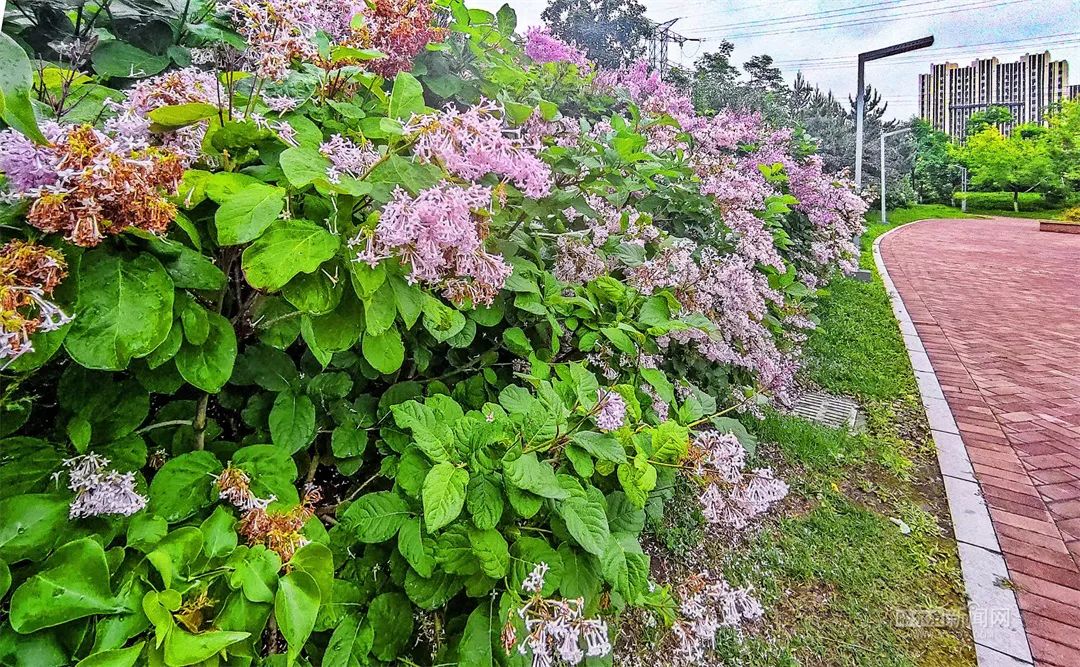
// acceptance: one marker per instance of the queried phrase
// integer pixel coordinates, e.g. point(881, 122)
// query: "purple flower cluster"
point(544, 47)
point(732, 497)
point(440, 235)
point(346, 157)
point(706, 604)
point(612, 411)
point(27, 165)
point(473, 143)
point(99, 490)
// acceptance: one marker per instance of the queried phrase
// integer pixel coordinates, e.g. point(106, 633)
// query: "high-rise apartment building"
point(1028, 88)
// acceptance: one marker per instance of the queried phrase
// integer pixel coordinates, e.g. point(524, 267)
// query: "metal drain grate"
point(834, 411)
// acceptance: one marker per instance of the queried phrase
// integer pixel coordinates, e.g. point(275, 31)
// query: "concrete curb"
point(996, 624)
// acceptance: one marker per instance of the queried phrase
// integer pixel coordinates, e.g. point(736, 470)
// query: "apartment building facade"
point(1029, 88)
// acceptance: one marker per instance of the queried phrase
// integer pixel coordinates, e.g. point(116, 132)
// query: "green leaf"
point(385, 351)
point(603, 446)
point(491, 550)
point(517, 342)
point(32, 525)
point(409, 299)
point(380, 310)
point(208, 366)
point(185, 648)
point(124, 309)
point(349, 639)
point(337, 330)
point(475, 648)
point(660, 383)
point(623, 515)
point(670, 442)
point(303, 166)
point(586, 521)
point(292, 421)
point(117, 657)
point(16, 81)
point(417, 548)
point(174, 555)
point(73, 583)
point(192, 270)
point(296, 607)
point(444, 494)
point(125, 61)
point(407, 97)
point(376, 517)
point(5, 578)
point(529, 473)
point(271, 469)
point(179, 115)
point(390, 615)
point(184, 485)
point(485, 501)
point(218, 534)
point(244, 216)
point(289, 247)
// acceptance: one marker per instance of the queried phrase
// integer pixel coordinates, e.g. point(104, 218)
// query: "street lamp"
point(860, 98)
point(884, 136)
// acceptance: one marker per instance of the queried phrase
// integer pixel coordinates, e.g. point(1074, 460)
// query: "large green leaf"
point(73, 583)
point(303, 166)
point(296, 606)
point(31, 525)
point(185, 648)
point(475, 648)
point(586, 521)
point(184, 485)
point(385, 351)
point(390, 616)
point(124, 309)
point(350, 638)
point(407, 97)
point(245, 215)
point(485, 501)
point(491, 549)
point(271, 469)
point(376, 517)
point(289, 247)
point(444, 494)
point(125, 61)
point(292, 421)
point(529, 473)
point(417, 548)
point(16, 80)
point(209, 366)
point(117, 657)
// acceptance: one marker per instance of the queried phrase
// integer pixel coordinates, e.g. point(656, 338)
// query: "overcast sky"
point(963, 30)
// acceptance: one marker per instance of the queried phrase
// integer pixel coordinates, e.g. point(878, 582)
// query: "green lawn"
point(835, 568)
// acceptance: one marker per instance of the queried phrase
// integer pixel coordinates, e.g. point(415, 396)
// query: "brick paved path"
point(997, 306)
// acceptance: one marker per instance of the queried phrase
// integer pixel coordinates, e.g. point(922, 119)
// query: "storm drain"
point(833, 411)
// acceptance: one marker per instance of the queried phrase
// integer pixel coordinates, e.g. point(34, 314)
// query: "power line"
point(980, 4)
point(826, 14)
point(1039, 40)
point(839, 65)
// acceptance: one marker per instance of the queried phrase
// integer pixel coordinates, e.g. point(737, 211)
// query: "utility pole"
point(662, 35)
point(860, 98)
point(884, 136)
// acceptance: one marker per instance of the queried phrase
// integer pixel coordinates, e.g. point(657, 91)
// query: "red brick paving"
point(997, 306)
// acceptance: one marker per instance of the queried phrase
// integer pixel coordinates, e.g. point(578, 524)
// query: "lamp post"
point(860, 97)
point(884, 136)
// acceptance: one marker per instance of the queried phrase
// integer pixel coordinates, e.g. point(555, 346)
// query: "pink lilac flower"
point(101, 491)
point(612, 411)
point(474, 143)
point(280, 103)
point(556, 628)
point(577, 260)
point(29, 166)
point(184, 86)
point(544, 47)
point(706, 604)
point(440, 235)
point(347, 157)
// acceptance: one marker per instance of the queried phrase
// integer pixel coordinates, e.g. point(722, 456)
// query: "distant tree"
point(1062, 141)
point(992, 117)
point(611, 31)
point(1012, 164)
point(937, 171)
point(764, 75)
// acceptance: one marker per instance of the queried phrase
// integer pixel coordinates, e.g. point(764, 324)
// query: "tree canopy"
point(611, 32)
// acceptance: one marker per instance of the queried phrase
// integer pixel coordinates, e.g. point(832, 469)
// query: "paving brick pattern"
point(997, 306)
